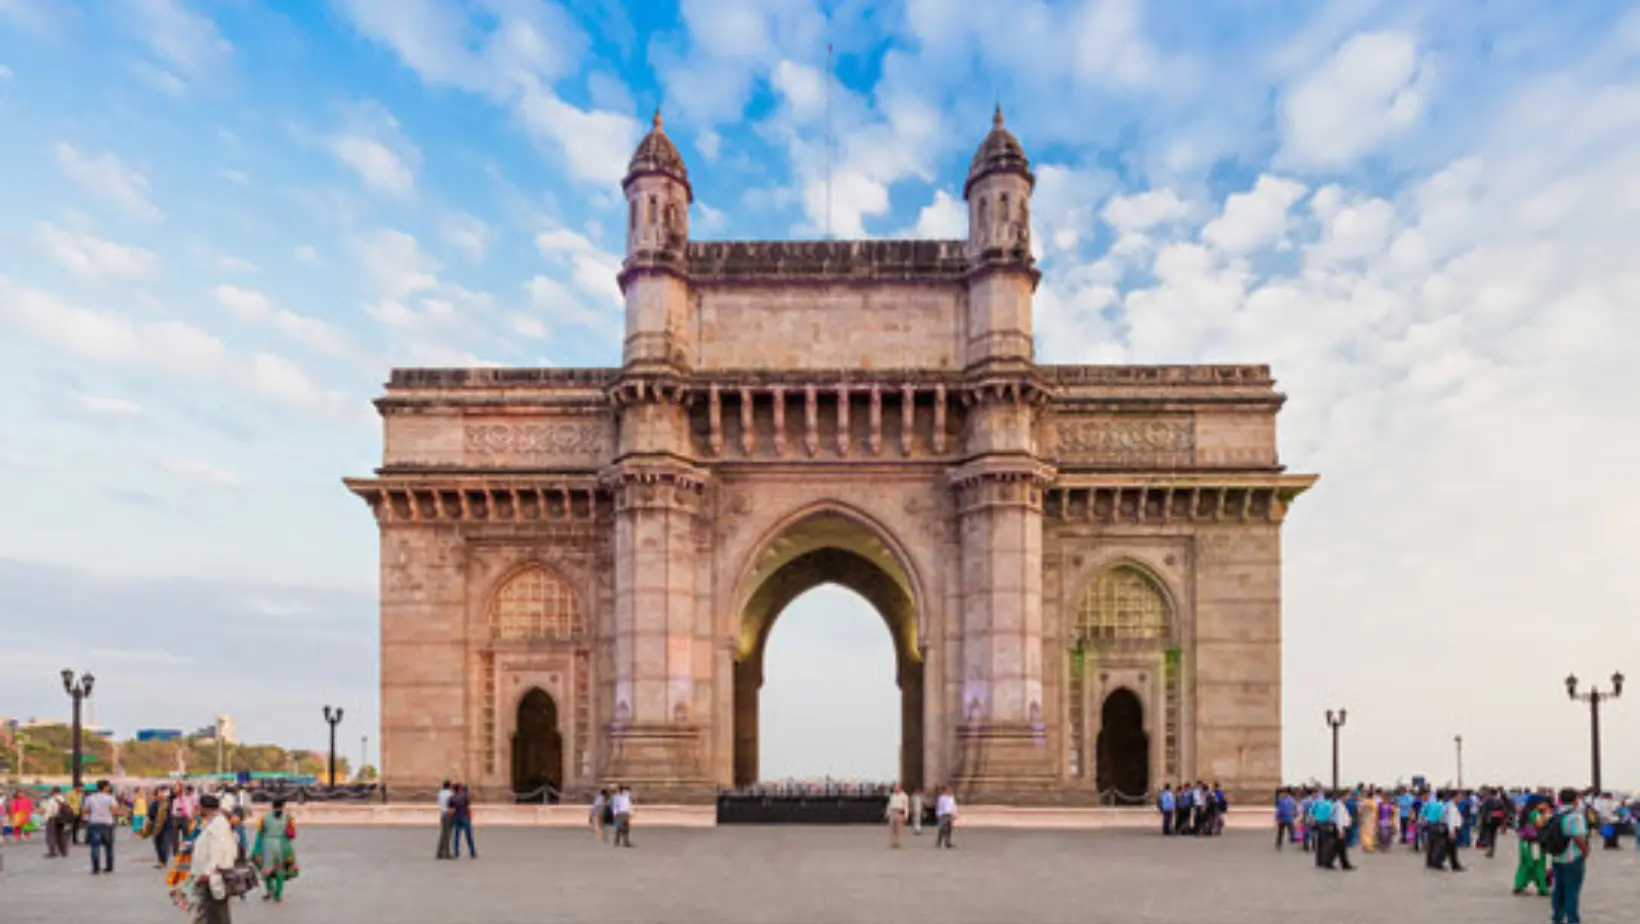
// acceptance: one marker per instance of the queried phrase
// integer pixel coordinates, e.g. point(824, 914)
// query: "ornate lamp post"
point(333, 718)
point(1335, 722)
point(1594, 697)
point(1458, 740)
point(79, 690)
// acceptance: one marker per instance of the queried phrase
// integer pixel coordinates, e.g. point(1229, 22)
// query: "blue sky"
point(223, 222)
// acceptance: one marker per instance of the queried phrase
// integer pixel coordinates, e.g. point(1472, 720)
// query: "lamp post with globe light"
point(333, 718)
point(79, 690)
point(1335, 722)
point(1594, 697)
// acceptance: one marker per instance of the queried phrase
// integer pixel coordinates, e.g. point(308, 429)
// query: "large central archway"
point(827, 548)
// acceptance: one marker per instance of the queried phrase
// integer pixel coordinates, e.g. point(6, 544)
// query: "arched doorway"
point(826, 548)
point(537, 749)
point(1123, 746)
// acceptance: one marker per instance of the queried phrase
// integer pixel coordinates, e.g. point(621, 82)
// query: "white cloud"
point(244, 304)
point(234, 176)
point(1145, 210)
point(171, 349)
point(256, 308)
point(708, 220)
point(375, 148)
point(197, 472)
point(105, 176)
point(596, 144)
point(234, 264)
point(512, 53)
point(93, 257)
point(186, 40)
point(946, 218)
point(802, 87)
point(106, 407)
point(528, 326)
point(1254, 219)
point(467, 234)
point(5, 72)
point(1372, 89)
point(394, 261)
point(708, 144)
point(593, 269)
point(305, 253)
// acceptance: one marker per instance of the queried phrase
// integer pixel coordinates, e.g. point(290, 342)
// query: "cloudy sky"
point(222, 224)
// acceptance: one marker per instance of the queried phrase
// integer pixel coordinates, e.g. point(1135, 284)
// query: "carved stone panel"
point(569, 443)
point(1128, 441)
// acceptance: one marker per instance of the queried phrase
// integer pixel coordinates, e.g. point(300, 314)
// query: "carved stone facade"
point(1080, 566)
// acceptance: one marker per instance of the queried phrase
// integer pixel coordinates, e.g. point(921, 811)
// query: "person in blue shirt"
point(1566, 896)
point(1286, 814)
point(1166, 803)
point(1403, 808)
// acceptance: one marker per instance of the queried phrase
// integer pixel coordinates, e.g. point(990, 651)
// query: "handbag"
point(241, 879)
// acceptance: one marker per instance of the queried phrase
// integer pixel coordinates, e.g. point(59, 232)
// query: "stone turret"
point(657, 235)
point(1002, 273)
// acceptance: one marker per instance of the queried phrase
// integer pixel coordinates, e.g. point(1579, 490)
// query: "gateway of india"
point(1079, 566)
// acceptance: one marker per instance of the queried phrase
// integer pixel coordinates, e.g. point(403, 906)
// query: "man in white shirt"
point(100, 809)
point(945, 813)
point(621, 803)
point(899, 805)
point(54, 811)
point(446, 822)
point(215, 851)
point(1453, 821)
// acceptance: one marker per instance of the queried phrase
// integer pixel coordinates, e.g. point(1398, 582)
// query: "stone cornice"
point(1161, 500)
point(1001, 468)
point(875, 261)
point(456, 498)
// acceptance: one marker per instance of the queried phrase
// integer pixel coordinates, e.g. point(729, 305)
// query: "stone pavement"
point(819, 876)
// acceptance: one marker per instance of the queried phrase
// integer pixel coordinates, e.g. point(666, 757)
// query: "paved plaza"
point(830, 875)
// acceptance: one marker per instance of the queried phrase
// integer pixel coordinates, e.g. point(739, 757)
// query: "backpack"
point(1552, 837)
point(1322, 812)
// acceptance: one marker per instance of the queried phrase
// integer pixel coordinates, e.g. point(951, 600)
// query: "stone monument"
point(1080, 566)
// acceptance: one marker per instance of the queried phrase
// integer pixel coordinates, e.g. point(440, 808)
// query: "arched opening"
point(1123, 746)
point(829, 706)
point(537, 749)
point(823, 549)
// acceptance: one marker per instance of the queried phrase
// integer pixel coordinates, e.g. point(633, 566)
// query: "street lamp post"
point(1594, 697)
point(1335, 722)
point(364, 756)
point(1458, 740)
point(78, 690)
point(334, 718)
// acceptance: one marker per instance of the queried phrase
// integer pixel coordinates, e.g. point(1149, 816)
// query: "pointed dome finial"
point(656, 120)
point(1000, 152)
point(996, 117)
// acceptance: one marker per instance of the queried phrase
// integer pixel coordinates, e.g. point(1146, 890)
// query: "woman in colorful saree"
point(273, 854)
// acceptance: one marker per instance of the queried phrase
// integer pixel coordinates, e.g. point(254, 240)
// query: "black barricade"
point(801, 810)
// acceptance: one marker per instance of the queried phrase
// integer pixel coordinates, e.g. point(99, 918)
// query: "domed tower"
point(653, 276)
point(1003, 274)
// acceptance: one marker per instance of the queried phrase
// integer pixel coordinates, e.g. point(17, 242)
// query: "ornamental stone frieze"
point(464, 500)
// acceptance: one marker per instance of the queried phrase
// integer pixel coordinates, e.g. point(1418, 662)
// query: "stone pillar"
point(1002, 730)
point(656, 739)
point(748, 686)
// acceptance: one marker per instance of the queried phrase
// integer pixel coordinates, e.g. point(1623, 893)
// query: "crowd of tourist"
point(1552, 831)
point(205, 838)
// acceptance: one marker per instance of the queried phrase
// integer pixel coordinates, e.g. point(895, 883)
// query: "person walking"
point(1286, 814)
point(595, 817)
point(1531, 867)
point(1165, 803)
point(446, 821)
point(899, 804)
point(274, 853)
point(918, 806)
point(55, 811)
point(214, 853)
point(101, 811)
point(621, 808)
point(945, 815)
point(1566, 899)
point(461, 821)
